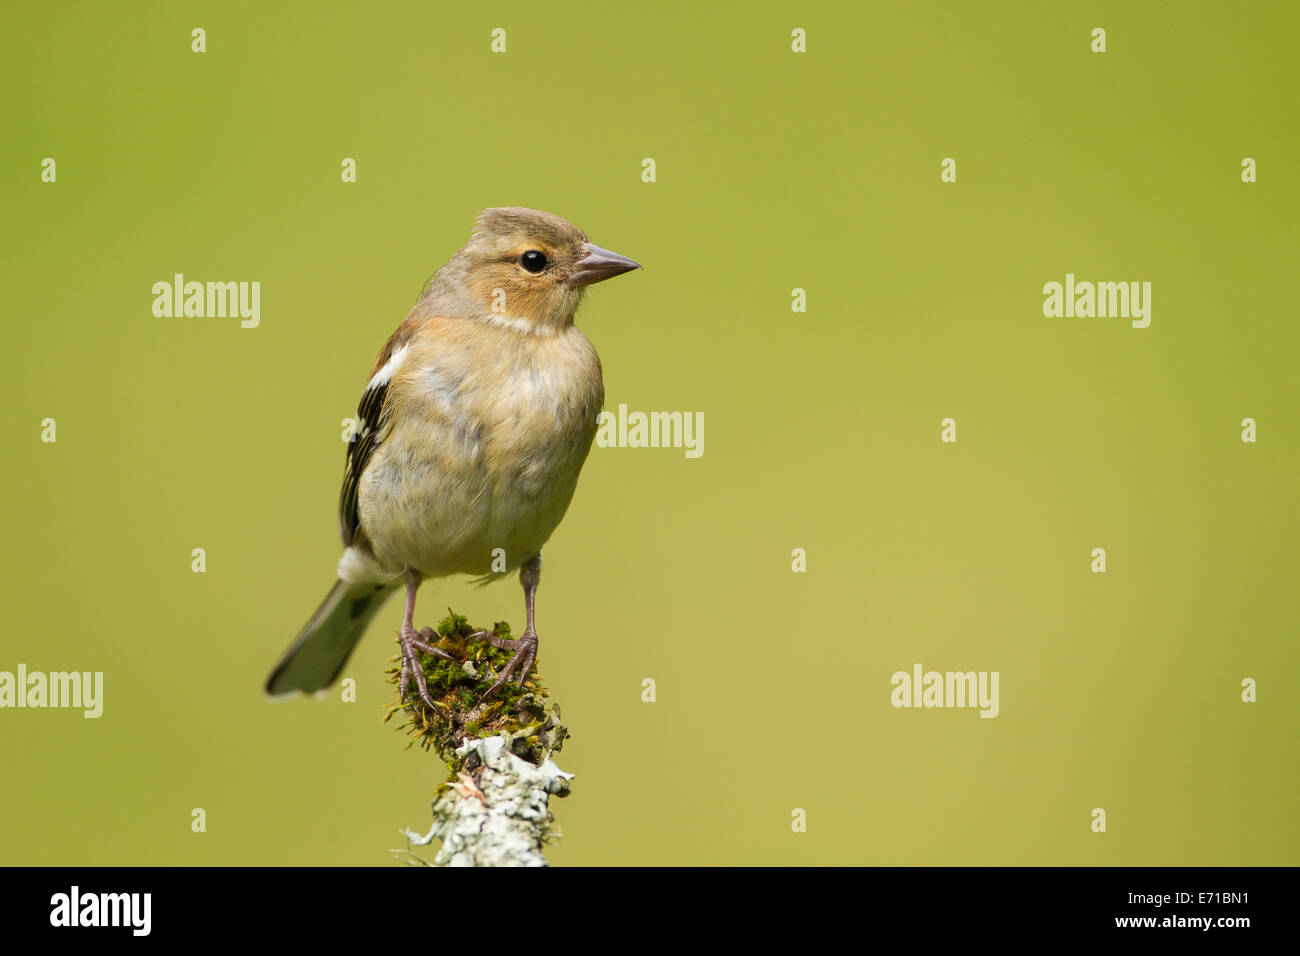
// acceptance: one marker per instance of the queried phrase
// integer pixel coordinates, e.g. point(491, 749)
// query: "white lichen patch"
point(509, 823)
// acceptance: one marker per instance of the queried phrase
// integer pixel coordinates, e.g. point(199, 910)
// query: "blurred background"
point(775, 171)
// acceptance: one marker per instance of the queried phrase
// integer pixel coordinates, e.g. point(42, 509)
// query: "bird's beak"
point(598, 264)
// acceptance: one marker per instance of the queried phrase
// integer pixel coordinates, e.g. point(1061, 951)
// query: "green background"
point(775, 170)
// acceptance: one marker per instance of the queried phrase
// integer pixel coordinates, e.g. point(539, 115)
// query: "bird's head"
point(525, 267)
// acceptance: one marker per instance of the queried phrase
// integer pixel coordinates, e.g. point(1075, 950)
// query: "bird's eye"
point(533, 261)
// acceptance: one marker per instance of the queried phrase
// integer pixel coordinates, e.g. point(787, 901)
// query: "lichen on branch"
point(493, 808)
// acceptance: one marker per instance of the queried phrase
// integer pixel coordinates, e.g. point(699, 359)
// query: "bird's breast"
point(490, 433)
point(538, 439)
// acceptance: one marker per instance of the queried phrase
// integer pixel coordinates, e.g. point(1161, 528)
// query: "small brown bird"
point(477, 418)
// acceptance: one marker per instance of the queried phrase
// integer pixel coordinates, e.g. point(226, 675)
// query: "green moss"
point(461, 707)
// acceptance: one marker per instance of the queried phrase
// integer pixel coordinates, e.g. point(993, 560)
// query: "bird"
point(470, 434)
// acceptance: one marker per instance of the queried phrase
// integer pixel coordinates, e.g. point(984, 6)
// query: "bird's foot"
point(525, 648)
point(412, 641)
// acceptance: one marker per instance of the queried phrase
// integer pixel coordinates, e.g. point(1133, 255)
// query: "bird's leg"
point(525, 645)
point(410, 643)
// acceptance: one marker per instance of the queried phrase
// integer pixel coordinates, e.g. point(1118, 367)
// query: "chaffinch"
point(479, 413)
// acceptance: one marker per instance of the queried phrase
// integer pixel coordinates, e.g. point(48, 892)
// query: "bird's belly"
point(526, 510)
point(425, 511)
point(455, 504)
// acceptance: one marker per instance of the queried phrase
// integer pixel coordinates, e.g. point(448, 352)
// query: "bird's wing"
point(372, 425)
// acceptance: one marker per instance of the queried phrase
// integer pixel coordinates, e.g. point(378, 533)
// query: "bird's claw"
point(525, 648)
point(411, 641)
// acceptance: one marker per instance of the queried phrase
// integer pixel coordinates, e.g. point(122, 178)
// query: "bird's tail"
point(316, 657)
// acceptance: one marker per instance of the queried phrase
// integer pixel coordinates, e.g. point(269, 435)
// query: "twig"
point(494, 809)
